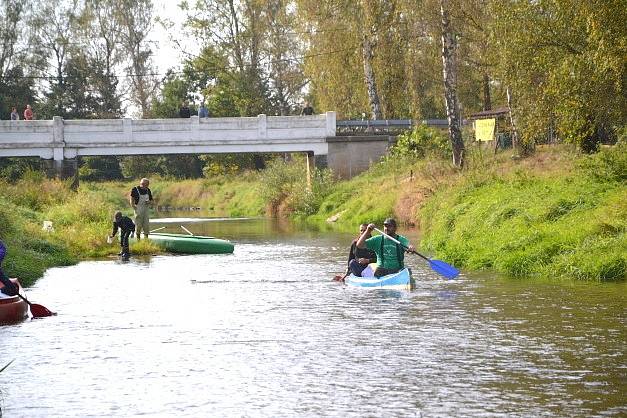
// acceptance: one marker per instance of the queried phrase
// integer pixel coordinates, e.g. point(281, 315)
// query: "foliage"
point(568, 72)
point(420, 142)
point(608, 165)
point(279, 179)
point(99, 168)
point(13, 169)
point(176, 166)
point(307, 200)
point(528, 224)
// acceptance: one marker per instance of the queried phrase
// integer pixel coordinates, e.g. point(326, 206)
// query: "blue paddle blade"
point(444, 269)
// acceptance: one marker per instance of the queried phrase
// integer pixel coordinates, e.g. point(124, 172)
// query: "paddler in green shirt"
point(390, 255)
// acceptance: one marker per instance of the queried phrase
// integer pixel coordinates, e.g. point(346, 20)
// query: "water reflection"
point(266, 332)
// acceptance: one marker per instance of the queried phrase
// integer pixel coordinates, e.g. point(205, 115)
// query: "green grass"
point(530, 224)
point(556, 215)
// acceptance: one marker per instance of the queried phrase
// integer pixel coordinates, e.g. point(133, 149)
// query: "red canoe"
point(13, 309)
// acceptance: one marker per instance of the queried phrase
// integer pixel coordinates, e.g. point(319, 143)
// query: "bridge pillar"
point(311, 165)
point(63, 169)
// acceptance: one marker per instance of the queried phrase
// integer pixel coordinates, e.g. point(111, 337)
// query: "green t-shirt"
point(389, 258)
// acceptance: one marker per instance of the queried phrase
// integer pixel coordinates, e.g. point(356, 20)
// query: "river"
point(265, 332)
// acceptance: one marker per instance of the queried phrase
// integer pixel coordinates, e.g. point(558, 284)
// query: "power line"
point(169, 73)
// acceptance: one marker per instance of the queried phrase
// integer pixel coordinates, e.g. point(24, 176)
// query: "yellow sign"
point(484, 129)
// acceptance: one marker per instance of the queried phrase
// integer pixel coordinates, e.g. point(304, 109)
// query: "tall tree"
point(135, 19)
point(449, 72)
point(237, 30)
point(283, 50)
point(569, 72)
point(99, 31)
point(54, 26)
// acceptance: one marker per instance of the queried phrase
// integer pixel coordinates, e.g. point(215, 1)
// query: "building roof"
point(499, 111)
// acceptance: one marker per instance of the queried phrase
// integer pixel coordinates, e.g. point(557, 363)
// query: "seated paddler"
point(359, 258)
point(390, 255)
point(8, 288)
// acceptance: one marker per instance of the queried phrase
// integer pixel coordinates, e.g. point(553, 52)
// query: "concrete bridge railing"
point(59, 142)
point(60, 139)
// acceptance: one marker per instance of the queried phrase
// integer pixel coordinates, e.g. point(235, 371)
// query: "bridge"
point(60, 141)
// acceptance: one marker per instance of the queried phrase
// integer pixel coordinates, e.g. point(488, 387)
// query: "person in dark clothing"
point(184, 111)
point(127, 227)
point(359, 258)
point(307, 110)
point(9, 289)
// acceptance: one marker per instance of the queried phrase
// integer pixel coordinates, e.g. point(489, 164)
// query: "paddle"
point(38, 311)
point(187, 230)
point(158, 229)
point(340, 278)
point(438, 266)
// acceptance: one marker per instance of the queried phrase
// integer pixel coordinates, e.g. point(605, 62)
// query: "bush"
point(421, 142)
point(610, 164)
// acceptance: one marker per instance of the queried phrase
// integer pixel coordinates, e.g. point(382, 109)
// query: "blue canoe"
point(401, 280)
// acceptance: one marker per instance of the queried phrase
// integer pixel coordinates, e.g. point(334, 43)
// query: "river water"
point(265, 332)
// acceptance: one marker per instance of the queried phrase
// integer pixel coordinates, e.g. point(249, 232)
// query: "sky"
point(167, 54)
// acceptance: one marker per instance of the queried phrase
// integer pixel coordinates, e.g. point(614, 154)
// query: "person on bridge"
point(307, 110)
point(14, 114)
point(9, 289)
point(359, 258)
point(390, 255)
point(28, 113)
point(127, 227)
point(203, 112)
point(184, 111)
point(141, 200)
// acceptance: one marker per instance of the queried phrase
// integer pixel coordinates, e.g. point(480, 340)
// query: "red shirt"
point(28, 114)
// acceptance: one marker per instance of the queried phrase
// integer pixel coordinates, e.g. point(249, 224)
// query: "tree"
point(283, 50)
point(237, 31)
point(135, 22)
point(568, 72)
point(449, 73)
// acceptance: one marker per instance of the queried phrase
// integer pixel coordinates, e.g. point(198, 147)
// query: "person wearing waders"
point(9, 289)
point(127, 227)
point(141, 199)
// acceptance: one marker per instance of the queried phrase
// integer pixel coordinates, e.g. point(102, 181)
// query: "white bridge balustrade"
point(60, 139)
point(64, 140)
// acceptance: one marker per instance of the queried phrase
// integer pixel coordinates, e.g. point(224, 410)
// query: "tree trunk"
point(449, 73)
point(487, 100)
point(369, 78)
point(515, 142)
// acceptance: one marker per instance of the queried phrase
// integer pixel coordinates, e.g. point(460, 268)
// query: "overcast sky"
point(167, 55)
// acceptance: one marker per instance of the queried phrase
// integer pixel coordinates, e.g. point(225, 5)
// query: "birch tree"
point(449, 73)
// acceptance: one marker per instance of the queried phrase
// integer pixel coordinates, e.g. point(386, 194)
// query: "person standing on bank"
point(390, 255)
point(359, 258)
point(141, 200)
point(126, 227)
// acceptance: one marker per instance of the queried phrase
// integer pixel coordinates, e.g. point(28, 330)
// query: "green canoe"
point(192, 244)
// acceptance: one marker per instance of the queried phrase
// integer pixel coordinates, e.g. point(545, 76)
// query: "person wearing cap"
point(390, 255)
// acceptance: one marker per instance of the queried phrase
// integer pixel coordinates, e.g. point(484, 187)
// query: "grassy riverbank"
point(556, 214)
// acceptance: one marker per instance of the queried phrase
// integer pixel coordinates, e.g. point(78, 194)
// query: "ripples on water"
point(265, 332)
